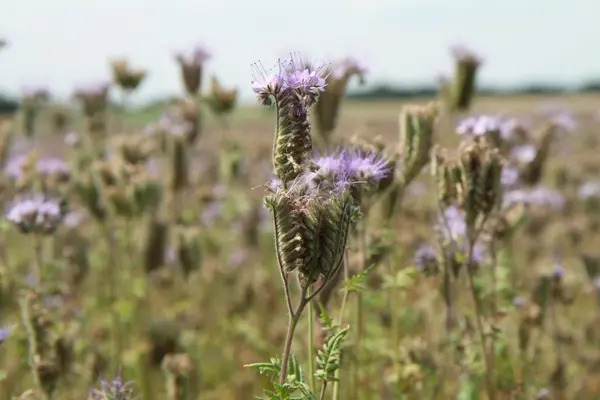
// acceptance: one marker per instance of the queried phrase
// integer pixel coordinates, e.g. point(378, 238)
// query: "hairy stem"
point(311, 344)
point(293, 322)
point(489, 373)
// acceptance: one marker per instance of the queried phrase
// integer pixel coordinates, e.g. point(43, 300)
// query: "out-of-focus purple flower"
point(417, 189)
point(171, 256)
point(74, 218)
point(588, 190)
point(509, 176)
point(72, 139)
point(53, 166)
point(542, 394)
point(565, 121)
point(462, 53)
point(114, 390)
point(196, 58)
point(4, 333)
point(518, 302)
point(453, 224)
point(14, 166)
point(539, 195)
point(349, 167)
point(36, 214)
point(523, 154)
point(558, 271)
point(210, 213)
point(425, 259)
point(173, 124)
point(596, 283)
point(237, 258)
point(353, 64)
point(483, 124)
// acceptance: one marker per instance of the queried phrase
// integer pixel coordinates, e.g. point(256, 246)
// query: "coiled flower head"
point(293, 87)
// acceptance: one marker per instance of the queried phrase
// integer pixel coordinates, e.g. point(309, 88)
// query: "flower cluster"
point(115, 389)
point(295, 78)
point(293, 88)
point(37, 214)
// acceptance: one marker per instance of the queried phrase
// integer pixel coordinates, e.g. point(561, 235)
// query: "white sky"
point(64, 42)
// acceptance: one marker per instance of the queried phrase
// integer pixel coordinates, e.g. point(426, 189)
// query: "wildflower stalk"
point(38, 264)
point(311, 344)
point(489, 373)
point(294, 318)
point(336, 383)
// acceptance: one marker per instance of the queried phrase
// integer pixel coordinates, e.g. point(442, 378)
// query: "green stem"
point(336, 383)
point(38, 265)
point(489, 374)
point(293, 322)
point(311, 344)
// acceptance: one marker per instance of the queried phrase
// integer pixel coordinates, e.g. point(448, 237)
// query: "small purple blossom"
point(509, 176)
point(483, 124)
point(588, 190)
point(114, 390)
point(596, 283)
point(542, 394)
point(538, 195)
point(348, 166)
point(518, 302)
point(4, 333)
point(558, 271)
point(523, 154)
point(463, 54)
point(14, 166)
point(296, 77)
point(53, 166)
point(72, 139)
point(425, 259)
point(36, 214)
point(196, 58)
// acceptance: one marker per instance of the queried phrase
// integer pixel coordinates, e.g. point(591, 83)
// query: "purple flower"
point(14, 166)
point(114, 390)
point(462, 53)
point(518, 302)
point(297, 78)
point(558, 271)
point(509, 176)
point(48, 166)
point(596, 283)
point(72, 139)
point(36, 214)
point(196, 58)
point(347, 167)
point(4, 333)
point(483, 124)
point(425, 259)
point(267, 83)
point(238, 257)
point(539, 195)
point(523, 154)
point(542, 394)
point(588, 190)
point(453, 224)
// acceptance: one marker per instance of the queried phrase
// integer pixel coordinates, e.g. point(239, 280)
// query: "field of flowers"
point(303, 248)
